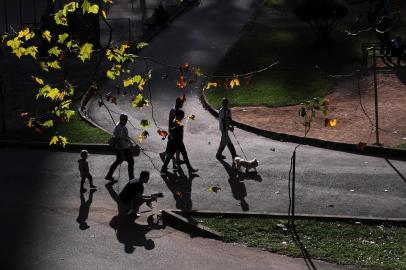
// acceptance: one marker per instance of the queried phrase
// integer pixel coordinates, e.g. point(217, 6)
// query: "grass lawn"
point(339, 242)
point(402, 146)
point(295, 79)
point(77, 131)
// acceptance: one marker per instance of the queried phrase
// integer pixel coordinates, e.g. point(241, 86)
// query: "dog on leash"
point(247, 164)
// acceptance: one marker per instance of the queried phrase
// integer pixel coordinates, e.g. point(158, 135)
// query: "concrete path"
point(328, 182)
point(47, 225)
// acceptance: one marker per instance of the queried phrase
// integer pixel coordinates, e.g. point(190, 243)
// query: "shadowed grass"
point(77, 131)
point(339, 242)
point(295, 79)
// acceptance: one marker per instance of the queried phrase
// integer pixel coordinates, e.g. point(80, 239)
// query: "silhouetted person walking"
point(172, 113)
point(175, 143)
point(84, 171)
point(225, 122)
point(397, 48)
point(123, 147)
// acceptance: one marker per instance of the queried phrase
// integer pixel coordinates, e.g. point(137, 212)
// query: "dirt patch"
point(353, 124)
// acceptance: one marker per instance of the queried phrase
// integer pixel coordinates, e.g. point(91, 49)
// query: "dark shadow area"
point(396, 170)
point(181, 187)
point(22, 188)
point(129, 233)
point(401, 74)
point(238, 188)
point(306, 256)
point(84, 209)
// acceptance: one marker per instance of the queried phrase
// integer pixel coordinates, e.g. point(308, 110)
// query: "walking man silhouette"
point(225, 122)
point(123, 147)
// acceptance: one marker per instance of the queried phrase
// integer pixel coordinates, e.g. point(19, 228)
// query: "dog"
point(247, 164)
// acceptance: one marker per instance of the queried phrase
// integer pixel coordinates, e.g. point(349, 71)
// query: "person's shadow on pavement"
point(237, 186)
point(129, 233)
point(84, 210)
point(181, 187)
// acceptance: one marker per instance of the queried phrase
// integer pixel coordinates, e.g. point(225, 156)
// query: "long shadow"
point(306, 256)
point(84, 209)
point(181, 187)
point(238, 188)
point(129, 233)
point(396, 170)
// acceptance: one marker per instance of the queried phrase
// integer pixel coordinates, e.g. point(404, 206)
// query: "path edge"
point(369, 150)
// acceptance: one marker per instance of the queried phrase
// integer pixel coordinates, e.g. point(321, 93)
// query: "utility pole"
point(376, 99)
point(293, 188)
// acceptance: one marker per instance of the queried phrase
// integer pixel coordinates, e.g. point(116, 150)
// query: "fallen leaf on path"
point(214, 189)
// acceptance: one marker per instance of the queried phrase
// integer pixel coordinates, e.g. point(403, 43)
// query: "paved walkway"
point(328, 182)
point(41, 208)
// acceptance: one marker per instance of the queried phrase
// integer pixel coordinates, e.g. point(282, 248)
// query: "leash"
point(235, 137)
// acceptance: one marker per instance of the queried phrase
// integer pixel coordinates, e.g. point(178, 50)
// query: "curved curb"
point(179, 220)
point(182, 223)
point(369, 150)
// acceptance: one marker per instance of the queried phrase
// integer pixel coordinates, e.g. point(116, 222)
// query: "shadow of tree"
point(181, 187)
point(129, 233)
point(306, 256)
point(84, 209)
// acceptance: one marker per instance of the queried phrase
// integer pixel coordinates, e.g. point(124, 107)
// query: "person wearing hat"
point(225, 122)
point(123, 147)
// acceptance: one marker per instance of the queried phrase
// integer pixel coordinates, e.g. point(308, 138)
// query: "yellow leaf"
point(141, 84)
point(54, 51)
point(47, 35)
point(62, 38)
point(234, 82)
point(330, 122)
point(14, 43)
point(19, 52)
point(132, 80)
point(141, 45)
point(139, 101)
point(38, 80)
point(211, 84)
point(104, 14)
point(53, 93)
point(63, 140)
point(48, 123)
point(54, 140)
point(44, 66)
point(32, 50)
point(85, 51)
point(54, 64)
point(26, 33)
point(89, 8)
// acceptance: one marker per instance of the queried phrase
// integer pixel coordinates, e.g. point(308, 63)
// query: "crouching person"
point(131, 197)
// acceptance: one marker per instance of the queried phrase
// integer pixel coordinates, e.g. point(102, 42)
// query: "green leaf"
point(144, 124)
point(140, 102)
point(48, 123)
point(85, 51)
point(55, 51)
point(141, 45)
point(62, 38)
point(132, 80)
point(89, 8)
